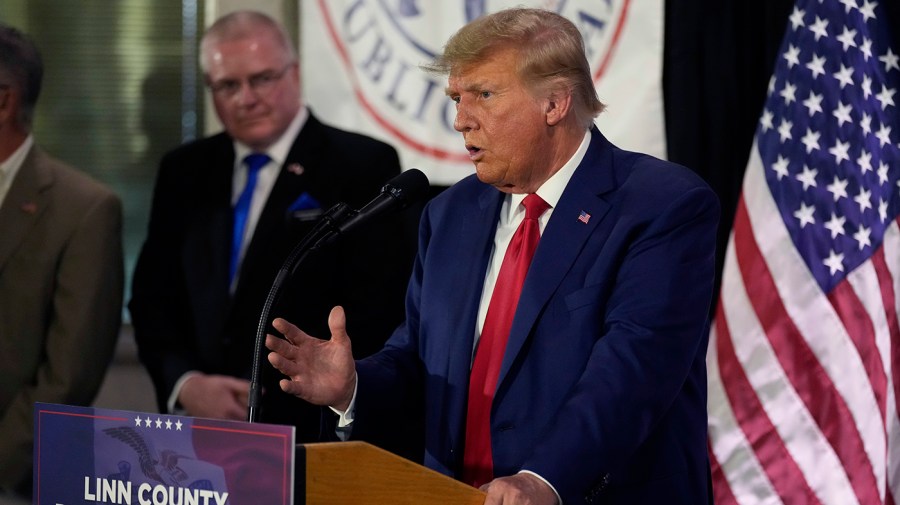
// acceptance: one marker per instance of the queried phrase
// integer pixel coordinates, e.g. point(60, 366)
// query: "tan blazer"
point(61, 281)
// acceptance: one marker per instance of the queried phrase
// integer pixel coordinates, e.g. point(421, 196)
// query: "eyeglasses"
point(260, 83)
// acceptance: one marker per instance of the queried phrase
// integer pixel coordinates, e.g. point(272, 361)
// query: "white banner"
point(361, 58)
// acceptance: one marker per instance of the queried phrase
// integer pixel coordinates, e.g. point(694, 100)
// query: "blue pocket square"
point(305, 208)
point(304, 202)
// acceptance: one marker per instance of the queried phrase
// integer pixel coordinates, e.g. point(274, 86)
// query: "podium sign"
point(92, 455)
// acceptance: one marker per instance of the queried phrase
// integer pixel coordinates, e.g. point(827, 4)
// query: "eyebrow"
point(475, 86)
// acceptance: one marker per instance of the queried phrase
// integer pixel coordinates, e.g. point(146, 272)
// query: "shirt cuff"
point(558, 498)
point(172, 405)
point(345, 417)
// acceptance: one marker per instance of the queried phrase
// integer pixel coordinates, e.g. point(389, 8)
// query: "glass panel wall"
point(121, 87)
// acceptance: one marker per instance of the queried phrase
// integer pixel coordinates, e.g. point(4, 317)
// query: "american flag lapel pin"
point(295, 168)
point(29, 207)
point(584, 217)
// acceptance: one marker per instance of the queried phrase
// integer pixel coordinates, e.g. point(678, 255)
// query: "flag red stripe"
point(859, 327)
point(800, 364)
point(779, 466)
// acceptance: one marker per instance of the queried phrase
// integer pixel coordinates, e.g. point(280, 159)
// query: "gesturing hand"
point(321, 372)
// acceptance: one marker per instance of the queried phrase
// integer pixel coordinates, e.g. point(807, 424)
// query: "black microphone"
point(408, 187)
point(397, 194)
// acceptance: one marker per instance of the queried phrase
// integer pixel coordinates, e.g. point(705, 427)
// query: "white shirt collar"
point(278, 151)
point(10, 166)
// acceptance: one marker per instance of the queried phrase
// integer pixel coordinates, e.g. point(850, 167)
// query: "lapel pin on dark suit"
point(584, 217)
point(295, 168)
point(29, 207)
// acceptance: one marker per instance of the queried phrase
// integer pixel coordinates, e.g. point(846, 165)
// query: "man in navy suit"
point(201, 280)
point(599, 394)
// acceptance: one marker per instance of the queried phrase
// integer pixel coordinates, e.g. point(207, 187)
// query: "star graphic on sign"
point(137, 421)
point(835, 262)
point(178, 425)
point(147, 422)
point(158, 423)
point(882, 210)
point(168, 424)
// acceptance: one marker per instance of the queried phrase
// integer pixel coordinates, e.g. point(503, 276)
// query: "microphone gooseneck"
point(397, 194)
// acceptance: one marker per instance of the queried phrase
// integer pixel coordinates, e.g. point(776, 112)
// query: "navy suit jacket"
point(602, 390)
point(184, 317)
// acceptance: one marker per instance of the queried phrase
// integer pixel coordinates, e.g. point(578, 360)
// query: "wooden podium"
point(341, 473)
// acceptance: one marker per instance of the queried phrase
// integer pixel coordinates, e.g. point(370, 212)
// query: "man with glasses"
point(61, 270)
point(226, 212)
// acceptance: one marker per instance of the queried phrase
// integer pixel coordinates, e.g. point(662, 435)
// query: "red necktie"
point(478, 467)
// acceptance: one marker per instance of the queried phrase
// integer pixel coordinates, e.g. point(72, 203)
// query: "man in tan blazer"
point(61, 270)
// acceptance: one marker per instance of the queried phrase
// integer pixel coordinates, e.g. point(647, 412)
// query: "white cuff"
point(558, 498)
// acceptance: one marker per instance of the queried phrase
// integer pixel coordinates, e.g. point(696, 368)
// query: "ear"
point(9, 100)
point(558, 106)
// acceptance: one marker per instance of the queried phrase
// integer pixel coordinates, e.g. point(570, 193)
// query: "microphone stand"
point(325, 230)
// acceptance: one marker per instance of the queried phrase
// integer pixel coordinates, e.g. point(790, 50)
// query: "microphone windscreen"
point(408, 187)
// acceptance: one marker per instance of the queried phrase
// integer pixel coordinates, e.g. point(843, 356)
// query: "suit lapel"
point(24, 203)
point(562, 241)
point(476, 225)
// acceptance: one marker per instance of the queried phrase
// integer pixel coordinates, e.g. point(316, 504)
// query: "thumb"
point(337, 323)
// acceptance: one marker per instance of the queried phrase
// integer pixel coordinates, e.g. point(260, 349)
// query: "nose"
point(464, 120)
point(246, 95)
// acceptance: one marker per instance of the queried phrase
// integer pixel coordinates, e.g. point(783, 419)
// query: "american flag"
point(804, 357)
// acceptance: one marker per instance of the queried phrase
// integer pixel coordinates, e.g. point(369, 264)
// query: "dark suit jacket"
point(602, 390)
point(184, 318)
point(61, 281)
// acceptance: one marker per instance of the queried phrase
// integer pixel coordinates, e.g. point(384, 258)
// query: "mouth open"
point(474, 151)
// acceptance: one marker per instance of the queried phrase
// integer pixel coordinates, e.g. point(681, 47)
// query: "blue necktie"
point(254, 162)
